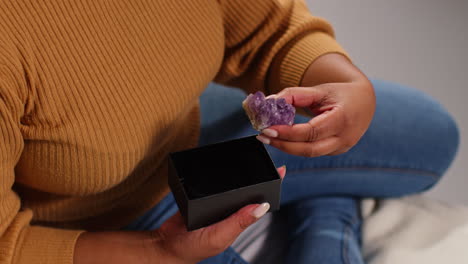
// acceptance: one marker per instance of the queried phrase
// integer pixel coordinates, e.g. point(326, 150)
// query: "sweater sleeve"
point(21, 242)
point(270, 43)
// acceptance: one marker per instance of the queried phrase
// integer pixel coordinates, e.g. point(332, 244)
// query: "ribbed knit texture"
point(94, 95)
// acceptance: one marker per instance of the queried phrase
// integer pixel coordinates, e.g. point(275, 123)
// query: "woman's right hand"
point(169, 244)
point(173, 241)
point(176, 245)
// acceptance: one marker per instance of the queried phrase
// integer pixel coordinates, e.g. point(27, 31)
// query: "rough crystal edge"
point(250, 114)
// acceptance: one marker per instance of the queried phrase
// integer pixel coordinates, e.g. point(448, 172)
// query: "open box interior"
point(223, 167)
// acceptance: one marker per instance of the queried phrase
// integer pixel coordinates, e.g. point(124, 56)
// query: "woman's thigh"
point(409, 144)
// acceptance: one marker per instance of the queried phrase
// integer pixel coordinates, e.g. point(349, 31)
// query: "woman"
point(95, 94)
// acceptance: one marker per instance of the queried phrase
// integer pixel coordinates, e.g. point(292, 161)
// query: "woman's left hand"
point(343, 112)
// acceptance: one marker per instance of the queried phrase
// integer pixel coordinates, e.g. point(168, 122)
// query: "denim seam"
point(348, 231)
point(345, 249)
point(420, 172)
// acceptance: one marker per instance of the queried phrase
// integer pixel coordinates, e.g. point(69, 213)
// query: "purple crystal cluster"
point(264, 112)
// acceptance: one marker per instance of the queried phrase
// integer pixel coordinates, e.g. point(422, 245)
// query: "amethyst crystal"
point(264, 112)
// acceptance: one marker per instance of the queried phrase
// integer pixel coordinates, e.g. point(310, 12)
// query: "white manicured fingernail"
point(261, 210)
point(271, 96)
point(263, 139)
point(270, 132)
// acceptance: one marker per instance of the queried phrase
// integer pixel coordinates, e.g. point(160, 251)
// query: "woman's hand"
point(343, 110)
point(171, 243)
point(177, 245)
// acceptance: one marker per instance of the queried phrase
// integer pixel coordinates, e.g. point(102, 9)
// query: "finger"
point(303, 96)
point(224, 233)
point(312, 149)
point(327, 124)
point(282, 171)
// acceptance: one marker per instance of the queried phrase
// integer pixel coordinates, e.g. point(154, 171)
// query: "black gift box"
point(210, 183)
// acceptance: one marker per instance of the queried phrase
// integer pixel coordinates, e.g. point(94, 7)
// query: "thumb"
point(303, 96)
point(224, 233)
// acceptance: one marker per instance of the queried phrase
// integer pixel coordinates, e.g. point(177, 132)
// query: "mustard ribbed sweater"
point(94, 94)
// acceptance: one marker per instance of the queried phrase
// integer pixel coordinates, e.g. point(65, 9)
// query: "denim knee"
point(446, 142)
point(431, 132)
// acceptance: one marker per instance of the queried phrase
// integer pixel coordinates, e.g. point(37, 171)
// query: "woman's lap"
point(409, 145)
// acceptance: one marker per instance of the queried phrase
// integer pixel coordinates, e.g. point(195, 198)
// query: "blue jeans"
point(410, 143)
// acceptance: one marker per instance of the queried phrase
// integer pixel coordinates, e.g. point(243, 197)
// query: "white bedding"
point(413, 230)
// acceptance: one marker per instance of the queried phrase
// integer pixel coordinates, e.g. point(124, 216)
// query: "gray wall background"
point(419, 43)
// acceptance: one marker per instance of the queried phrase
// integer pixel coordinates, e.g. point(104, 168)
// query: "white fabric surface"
point(408, 230)
point(413, 230)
